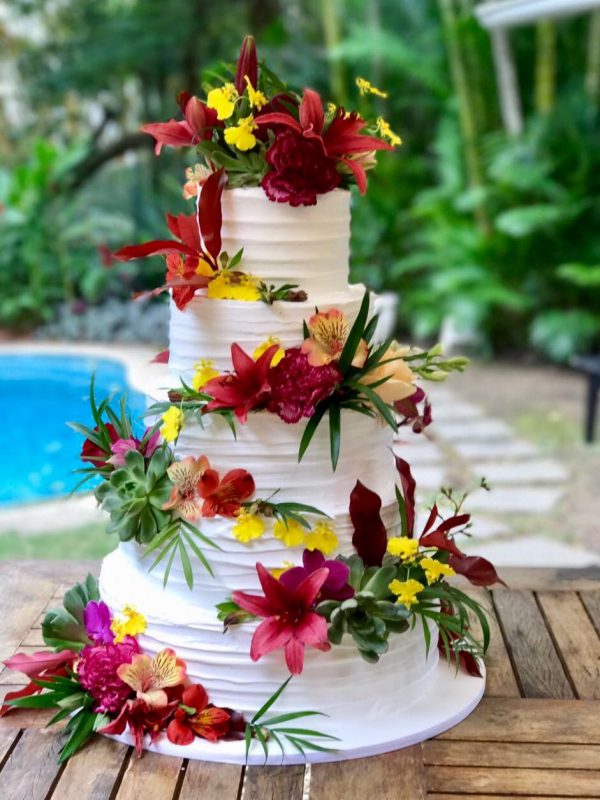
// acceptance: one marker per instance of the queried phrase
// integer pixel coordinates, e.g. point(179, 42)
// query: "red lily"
point(290, 620)
point(247, 65)
point(193, 260)
point(340, 139)
point(225, 497)
point(198, 124)
point(245, 389)
point(141, 719)
point(198, 717)
point(97, 455)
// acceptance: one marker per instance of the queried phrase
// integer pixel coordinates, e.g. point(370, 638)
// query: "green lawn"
point(89, 541)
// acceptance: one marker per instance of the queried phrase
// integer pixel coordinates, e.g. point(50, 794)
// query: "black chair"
point(589, 366)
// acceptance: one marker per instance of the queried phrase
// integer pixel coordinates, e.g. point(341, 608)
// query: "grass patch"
point(89, 541)
point(550, 430)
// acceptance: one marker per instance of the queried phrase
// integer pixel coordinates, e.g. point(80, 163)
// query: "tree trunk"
point(592, 74)
point(331, 14)
point(545, 67)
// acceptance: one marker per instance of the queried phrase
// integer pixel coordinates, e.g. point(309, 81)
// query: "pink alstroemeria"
point(328, 334)
point(198, 125)
point(290, 621)
point(146, 446)
point(341, 138)
point(149, 677)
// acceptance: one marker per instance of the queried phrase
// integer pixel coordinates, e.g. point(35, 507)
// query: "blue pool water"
point(38, 395)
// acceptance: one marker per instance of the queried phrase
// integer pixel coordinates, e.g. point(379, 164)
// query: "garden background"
point(491, 240)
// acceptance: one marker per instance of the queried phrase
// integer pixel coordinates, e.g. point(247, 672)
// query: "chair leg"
point(592, 405)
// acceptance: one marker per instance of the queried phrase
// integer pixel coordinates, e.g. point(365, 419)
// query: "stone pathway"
point(464, 445)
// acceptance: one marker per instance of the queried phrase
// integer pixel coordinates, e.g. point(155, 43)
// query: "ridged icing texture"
point(308, 245)
point(338, 683)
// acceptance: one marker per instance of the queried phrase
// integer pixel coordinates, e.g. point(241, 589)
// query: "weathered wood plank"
point(211, 781)
point(32, 767)
point(393, 776)
point(7, 739)
point(33, 638)
point(22, 599)
point(591, 601)
point(539, 669)
point(92, 772)
point(499, 719)
point(500, 679)
point(512, 754)
point(461, 796)
point(151, 777)
point(568, 579)
point(274, 783)
point(560, 783)
point(576, 639)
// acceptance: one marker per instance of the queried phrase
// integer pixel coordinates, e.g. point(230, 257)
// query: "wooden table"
point(536, 734)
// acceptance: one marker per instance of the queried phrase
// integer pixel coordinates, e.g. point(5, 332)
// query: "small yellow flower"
point(406, 591)
point(241, 135)
point(130, 623)
point(366, 87)
point(257, 99)
point(248, 527)
point(173, 422)
point(278, 572)
point(434, 569)
point(403, 547)
point(262, 348)
point(331, 108)
point(291, 534)
point(222, 100)
point(384, 130)
point(322, 537)
point(234, 286)
point(205, 371)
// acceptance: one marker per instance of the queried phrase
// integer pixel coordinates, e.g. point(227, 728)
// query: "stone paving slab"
point(518, 500)
point(455, 411)
point(464, 430)
point(533, 551)
point(536, 471)
point(418, 450)
point(503, 449)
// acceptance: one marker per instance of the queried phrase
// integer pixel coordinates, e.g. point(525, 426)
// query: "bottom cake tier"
point(406, 697)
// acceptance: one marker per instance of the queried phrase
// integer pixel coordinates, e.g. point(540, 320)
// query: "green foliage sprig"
point(64, 628)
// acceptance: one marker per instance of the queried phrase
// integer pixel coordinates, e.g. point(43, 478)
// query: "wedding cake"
point(271, 564)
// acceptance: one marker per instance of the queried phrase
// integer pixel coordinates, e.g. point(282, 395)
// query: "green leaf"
point(355, 335)
point(64, 628)
point(311, 427)
point(387, 412)
point(186, 564)
point(82, 730)
point(263, 742)
point(267, 723)
point(334, 434)
point(264, 708)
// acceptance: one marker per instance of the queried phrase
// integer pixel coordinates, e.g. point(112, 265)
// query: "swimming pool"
point(39, 394)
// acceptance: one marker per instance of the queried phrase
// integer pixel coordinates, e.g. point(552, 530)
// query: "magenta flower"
point(97, 619)
point(97, 672)
point(290, 621)
point(146, 447)
point(336, 585)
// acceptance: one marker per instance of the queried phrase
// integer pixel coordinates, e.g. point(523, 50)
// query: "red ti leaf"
point(439, 538)
point(247, 64)
point(479, 571)
point(33, 665)
point(156, 248)
point(161, 358)
point(26, 691)
point(210, 217)
point(408, 492)
point(370, 536)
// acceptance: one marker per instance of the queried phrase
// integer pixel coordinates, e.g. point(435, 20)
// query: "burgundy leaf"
point(25, 691)
point(370, 537)
point(159, 247)
point(467, 660)
point(479, 571)
point(247, 64)
point(440, 539)
point(161, 358)
point(408, 492)
point(209, 211)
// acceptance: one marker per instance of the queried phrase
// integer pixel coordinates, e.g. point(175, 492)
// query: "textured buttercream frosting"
point(308, 246)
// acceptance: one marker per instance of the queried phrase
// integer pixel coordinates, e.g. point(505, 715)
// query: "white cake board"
point(450, 698)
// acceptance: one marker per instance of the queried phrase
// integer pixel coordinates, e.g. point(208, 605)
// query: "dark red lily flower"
point(290, 621)
point(336, 586)
point(408, 408)
point(370, 535)
point(225, 497)
point(193, 260)
point(198, 717)
point(97, 455)
point(479, 571)
point(141, 719)
point(340, 139)
point(247, 65)
point(245, 389)
point(198, 125)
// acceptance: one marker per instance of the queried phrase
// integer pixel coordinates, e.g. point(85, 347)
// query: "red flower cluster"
point(97, 673)
point(300, 170)
point(296, 387)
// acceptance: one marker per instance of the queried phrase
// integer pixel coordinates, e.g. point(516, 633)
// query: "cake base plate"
point(450, 698)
